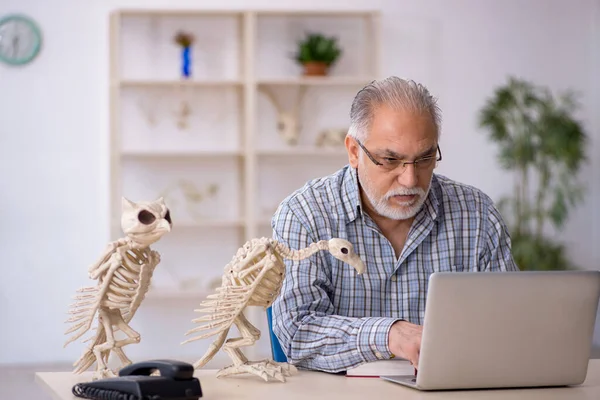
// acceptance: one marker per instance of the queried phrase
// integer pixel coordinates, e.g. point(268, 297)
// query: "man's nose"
point(408, 178)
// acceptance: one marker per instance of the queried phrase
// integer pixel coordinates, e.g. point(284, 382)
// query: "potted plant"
point(543, 145)
point(317, 53)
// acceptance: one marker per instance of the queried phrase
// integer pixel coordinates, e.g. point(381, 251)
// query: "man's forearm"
point(333, 343)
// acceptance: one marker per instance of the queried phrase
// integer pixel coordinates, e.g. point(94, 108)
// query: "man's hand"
point(404, 341)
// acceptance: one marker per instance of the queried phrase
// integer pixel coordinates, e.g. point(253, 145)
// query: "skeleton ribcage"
point(126, 282)
point(268, 286)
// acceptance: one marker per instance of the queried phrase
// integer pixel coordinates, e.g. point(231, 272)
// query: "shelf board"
point(217, 223)
point(291, 151)
point(159, 83)
point(316, 81)
point(182, 12)
point(179, 154)
point(303, 151)
point(317, 13)
point(284, 81)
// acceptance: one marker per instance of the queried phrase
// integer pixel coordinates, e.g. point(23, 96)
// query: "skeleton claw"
point(266, 369)
point(104, 373)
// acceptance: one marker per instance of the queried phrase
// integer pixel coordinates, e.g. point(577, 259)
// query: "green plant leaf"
point(316, 47)
point(532, 253)
point(539, 139)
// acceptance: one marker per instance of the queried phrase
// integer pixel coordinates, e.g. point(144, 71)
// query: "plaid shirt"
point(327, 317)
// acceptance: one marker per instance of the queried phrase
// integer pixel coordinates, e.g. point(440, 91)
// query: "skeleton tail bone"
point(88, 358)
point(83, 312)
point(216, 322)
point(221, 309)
point(85, 309)
point(214, 347)
point(87, 303)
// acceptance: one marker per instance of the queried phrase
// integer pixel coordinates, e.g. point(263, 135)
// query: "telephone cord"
point(86, 392)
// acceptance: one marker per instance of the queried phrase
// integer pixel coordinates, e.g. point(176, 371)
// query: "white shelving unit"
point(230, 137)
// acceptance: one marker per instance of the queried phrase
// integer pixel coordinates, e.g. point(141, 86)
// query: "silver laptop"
point(485, 330)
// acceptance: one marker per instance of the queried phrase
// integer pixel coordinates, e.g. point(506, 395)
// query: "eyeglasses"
point(390, 163)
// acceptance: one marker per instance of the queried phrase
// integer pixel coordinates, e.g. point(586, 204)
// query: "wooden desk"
point(316, 385)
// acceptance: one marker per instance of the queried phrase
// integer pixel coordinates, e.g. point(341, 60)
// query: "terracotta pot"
point(312, 68)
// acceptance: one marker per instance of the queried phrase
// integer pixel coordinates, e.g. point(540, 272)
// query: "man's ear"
point(352, 149)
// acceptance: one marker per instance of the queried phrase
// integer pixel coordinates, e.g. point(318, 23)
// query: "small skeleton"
point(191, 194)
point(148, 106)
point(254, 278)
point(288, 121)
point(123, 273)
point(182, 114)
point(331, 137)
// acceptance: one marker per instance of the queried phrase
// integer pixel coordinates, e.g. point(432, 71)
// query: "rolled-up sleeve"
point(304, 319)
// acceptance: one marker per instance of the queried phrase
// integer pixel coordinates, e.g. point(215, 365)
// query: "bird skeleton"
point(254, 277)
point(123, 275)
point(288, 120)
point(331, 137)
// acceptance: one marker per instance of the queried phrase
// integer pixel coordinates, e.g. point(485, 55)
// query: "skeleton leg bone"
point(265, 369)
point(254, 331)
point(134, 337)
point(212, 350)
point(102, 370)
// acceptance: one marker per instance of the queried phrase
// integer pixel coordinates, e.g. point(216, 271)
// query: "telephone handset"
point(135, 382)
point(167, 368)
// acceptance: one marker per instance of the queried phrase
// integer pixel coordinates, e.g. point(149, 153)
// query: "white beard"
point(382, 205)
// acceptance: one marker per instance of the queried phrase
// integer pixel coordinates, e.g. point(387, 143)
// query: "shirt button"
point(394, 278)
point(378, 355)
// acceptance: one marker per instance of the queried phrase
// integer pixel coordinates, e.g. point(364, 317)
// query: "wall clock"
point(20, 39)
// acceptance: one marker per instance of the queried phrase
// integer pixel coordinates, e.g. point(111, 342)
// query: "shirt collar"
point(352, 202)
point(432, 203)
point(350, 194)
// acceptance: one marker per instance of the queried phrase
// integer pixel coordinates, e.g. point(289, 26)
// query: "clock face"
point(20, 40)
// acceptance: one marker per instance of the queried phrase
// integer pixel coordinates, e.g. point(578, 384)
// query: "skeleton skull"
point(344, 251)
point(288, 127)
point(145, 222)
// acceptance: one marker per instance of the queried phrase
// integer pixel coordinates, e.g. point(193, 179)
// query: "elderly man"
point(403, 220)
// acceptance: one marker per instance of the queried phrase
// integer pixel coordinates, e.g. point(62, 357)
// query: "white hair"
point(396, 93)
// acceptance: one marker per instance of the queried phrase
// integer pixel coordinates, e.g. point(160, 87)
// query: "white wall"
point(54, 125)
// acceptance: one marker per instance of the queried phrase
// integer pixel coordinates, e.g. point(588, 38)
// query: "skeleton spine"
point(298, 255)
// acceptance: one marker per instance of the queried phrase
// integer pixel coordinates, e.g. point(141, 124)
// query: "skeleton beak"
point(164, 225)
point(358, 264)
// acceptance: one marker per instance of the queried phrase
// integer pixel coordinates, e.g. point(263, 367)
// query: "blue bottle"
point(186, 62)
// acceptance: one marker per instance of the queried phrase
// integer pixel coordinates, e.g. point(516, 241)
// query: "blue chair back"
point(276, 350)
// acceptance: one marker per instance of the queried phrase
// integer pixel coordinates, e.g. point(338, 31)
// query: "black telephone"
point(176, 382)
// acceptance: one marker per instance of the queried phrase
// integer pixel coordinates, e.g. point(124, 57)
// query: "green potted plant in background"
point(317, 53)
point(542, 143)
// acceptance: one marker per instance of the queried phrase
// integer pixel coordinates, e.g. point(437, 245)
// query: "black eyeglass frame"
point(402, 162)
